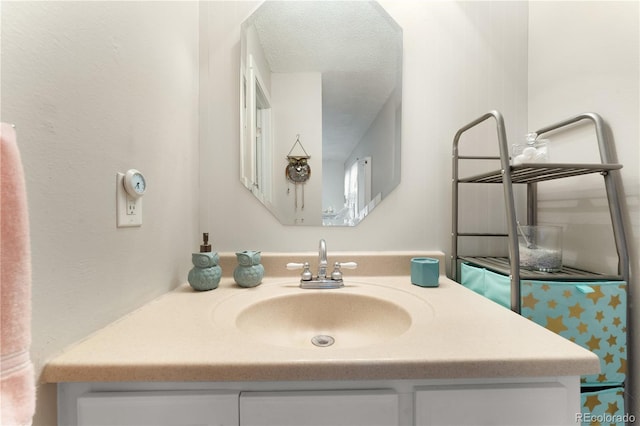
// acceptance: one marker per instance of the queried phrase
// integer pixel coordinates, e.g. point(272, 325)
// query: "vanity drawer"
point(320, 408)
point(498, 404)
point(158, 408)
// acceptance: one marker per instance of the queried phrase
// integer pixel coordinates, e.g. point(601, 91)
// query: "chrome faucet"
point(322, 260)
point(307, 280)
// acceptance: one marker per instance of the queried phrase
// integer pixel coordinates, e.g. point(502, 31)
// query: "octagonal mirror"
point(321, 109)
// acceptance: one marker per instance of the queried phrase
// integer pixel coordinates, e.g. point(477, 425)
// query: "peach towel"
point(17, 383)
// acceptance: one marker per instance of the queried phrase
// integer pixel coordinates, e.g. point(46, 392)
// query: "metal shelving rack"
point(530, 174)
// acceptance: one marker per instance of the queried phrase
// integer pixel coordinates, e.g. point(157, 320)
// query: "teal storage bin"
point(591, 314)
point(487, 283)
point(472, 278)
point(603, 407)
point(497, 288)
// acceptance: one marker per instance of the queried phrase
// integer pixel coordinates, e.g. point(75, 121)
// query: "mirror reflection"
point(321, 108)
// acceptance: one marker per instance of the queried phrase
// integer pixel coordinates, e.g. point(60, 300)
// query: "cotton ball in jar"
point(519, 159)
point(541, 156)
point(529, 153)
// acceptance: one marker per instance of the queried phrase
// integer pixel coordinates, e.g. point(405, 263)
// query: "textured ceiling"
point(356, 46)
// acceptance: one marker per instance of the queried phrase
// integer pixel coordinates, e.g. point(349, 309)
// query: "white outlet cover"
point(128, 209)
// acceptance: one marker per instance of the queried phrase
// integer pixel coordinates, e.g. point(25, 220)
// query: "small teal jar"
point(205, 274)
point(249, 272)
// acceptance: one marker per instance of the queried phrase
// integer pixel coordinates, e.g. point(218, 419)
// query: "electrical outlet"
point(128, 209)
point(131, 206)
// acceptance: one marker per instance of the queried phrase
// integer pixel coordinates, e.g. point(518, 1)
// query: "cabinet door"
point(501, 404)
point(161, 408)
point(319, 408)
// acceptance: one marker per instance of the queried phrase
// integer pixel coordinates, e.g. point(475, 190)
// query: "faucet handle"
point(306, 273)
point(347, 265)
point(292, 266)
point(336, 275)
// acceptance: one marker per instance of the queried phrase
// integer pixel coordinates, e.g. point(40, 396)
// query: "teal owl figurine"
point(205, 274)
point(249, 271)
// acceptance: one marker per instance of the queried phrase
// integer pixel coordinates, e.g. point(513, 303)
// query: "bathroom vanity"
point(401, 355)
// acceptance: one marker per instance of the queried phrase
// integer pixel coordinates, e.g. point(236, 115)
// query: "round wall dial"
point(135, 183)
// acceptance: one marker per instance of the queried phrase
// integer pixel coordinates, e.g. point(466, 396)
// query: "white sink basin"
point(357, 315)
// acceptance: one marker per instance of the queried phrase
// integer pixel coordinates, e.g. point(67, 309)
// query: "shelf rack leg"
point(507, 186)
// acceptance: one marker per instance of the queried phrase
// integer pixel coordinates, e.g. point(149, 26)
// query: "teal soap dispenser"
point(205, 274)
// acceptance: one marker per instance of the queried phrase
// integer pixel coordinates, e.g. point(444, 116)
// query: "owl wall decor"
point(298, 172)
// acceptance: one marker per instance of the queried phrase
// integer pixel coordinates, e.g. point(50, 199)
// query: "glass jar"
point(532, 151)
point(540, 247)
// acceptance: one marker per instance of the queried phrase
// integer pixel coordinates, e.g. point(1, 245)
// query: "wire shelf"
point(532, 173)
point(501, 265)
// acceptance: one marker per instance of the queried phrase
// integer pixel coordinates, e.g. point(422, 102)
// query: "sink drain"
point(322, 340)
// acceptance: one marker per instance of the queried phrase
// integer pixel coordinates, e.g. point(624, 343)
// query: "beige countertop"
point(185, 336)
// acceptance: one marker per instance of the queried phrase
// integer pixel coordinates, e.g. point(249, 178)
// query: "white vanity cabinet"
point(157, 408)
point(462, 360)
point(504, 404)
point(517, 401)
point(220, 408)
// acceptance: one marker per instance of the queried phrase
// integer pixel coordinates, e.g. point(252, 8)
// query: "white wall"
point(584, 57)
point(254, 49)
point(95, 88)
point(385, 162)
point(297, 110)
point(332, 185)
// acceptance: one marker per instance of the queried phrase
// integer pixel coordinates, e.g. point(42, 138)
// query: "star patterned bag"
point(603, 407)
point(591, 314)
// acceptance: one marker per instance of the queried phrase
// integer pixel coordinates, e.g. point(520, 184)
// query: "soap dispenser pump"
point(205, 247)
point(205, 274)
